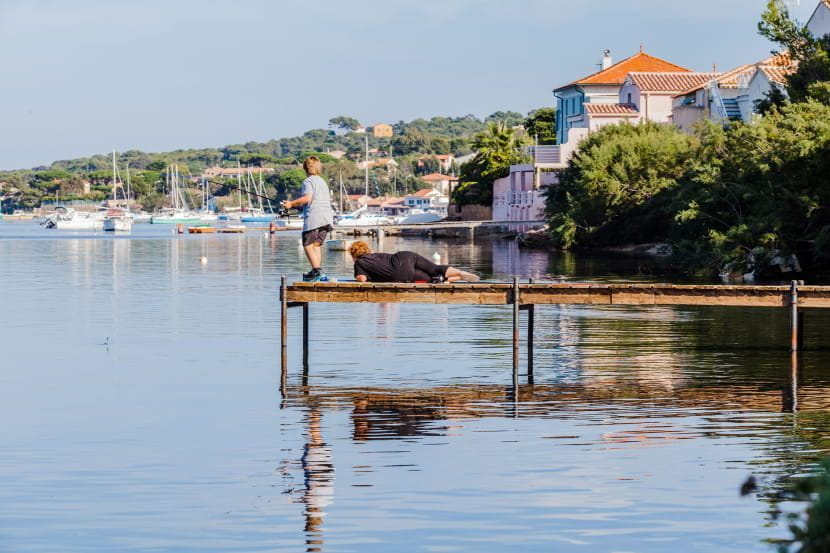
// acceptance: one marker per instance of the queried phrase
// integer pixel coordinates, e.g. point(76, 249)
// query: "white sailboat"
point(117, 219)
point(178, 213)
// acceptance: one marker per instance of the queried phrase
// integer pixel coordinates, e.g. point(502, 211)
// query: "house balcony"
point(546, 157)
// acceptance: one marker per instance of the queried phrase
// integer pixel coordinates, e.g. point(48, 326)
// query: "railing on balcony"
point(545, 155)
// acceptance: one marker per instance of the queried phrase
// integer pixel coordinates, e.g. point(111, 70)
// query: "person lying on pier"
point(401, 267)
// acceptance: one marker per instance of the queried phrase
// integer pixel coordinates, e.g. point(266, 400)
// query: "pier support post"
point(516, 305)
point(283, 334)
point(531, 315)
point(305, 338)
point(795, 328)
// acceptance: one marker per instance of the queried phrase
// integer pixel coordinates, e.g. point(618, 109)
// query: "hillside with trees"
point(412, 146)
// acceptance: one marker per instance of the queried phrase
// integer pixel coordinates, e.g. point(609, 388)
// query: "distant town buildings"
point(381, 130)
point(336, 154)
point(445, 161)
point(387, 162)
point(442, 183)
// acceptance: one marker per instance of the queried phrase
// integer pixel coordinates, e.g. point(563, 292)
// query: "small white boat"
point(118, 220)
point(294, 223)
point(360, 218)
point(419, 216)
point(66, 218)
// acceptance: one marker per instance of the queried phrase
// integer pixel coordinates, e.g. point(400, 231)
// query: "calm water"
point(141, 412)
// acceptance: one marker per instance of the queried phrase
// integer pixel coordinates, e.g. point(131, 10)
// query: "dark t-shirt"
point(377, 267)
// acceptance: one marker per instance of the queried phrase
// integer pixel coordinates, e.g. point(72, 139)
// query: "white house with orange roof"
point(733, 95)
point(602, 87)
point(819, 22)
point(442, 183)
point(766, 78)
point(643, 96)
point(428, 199)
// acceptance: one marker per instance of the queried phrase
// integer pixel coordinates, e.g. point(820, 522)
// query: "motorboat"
point(361, 218)
point(419, 216)
point(66, 218)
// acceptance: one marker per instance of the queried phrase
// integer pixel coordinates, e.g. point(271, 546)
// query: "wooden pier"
point(525, 296)
point(438, 229)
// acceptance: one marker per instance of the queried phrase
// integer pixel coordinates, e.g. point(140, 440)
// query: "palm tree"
point(497, 148)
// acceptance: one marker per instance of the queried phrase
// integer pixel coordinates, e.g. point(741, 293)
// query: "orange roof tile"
point(422, 193)
point(776, 74)
point(438, 177)
point(669, 82)
point(617, 73)
point(618, 110)
point(732, 78)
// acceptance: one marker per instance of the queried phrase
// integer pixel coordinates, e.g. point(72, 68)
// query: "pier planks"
point(558, 293)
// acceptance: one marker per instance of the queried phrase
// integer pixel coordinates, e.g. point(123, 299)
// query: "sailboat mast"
point(366, 178)
point(239, 182)
point(129, 186)
point(113, 176)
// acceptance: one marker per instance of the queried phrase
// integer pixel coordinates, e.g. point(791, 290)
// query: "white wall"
point(759, 85)
point(656, 107)
point(819, 23)
point(630, 88)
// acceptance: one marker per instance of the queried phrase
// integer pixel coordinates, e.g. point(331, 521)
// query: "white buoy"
point(203, 260)
point(436, 258)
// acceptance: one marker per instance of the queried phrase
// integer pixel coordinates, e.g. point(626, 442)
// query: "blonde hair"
point(359, 248)
point(313, 165)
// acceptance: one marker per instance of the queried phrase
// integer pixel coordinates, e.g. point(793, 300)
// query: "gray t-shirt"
point(317, 213)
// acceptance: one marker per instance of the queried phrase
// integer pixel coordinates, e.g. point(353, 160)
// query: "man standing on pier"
point(318, 216)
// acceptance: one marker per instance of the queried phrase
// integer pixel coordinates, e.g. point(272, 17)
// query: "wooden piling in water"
point(305, 337)
point(794, 327)
point(283, 332)
point(531, 315)
point(516, 306)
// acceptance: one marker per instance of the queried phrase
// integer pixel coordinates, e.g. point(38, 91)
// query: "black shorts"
point(316, 235)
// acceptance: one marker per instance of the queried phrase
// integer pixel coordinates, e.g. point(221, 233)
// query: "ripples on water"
point(139, 394)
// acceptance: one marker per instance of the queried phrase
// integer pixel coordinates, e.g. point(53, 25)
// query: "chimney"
point(606, 59)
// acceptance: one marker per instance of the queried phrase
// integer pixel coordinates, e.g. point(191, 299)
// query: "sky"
point(89, 76)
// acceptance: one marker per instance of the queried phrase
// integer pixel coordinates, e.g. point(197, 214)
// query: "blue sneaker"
point(319, 277)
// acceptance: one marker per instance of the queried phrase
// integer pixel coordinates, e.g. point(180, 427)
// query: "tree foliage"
point(344, 122)
point(497, 149)
point(811, 56)
point(541, 125)
point(608, 193)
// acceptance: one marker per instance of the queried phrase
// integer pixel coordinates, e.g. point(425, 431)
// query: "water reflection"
point(637, 430)
point(318, 473)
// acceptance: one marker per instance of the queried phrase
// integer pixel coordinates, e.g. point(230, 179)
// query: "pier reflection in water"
point(139, 393)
